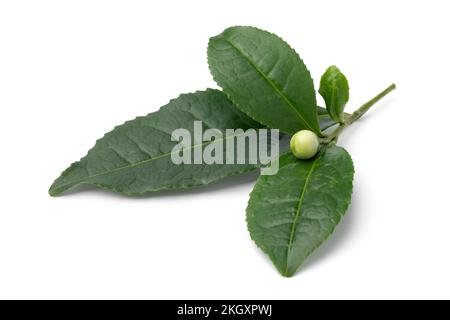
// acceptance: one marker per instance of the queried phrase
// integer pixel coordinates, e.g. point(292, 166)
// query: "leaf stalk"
point(333, 136)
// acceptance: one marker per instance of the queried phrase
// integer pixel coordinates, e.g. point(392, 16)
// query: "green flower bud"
point(304, 144)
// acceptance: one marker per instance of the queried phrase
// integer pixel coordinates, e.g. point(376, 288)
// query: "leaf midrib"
point(270, 82)
point(298, 212)
point(333, 105)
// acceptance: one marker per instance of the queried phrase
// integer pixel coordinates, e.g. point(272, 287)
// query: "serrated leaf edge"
point(249, 113)
point(347, 205)
point(176, 186)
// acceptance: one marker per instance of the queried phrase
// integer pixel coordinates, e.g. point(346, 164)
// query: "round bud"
point(304, 144)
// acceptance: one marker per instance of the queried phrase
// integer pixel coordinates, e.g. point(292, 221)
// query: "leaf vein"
point(298, 211)
point(271, 83)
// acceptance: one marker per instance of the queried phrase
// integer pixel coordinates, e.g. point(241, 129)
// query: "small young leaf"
point(335, 91)
point(291, 213)
point(135, 157)
point(265, 78)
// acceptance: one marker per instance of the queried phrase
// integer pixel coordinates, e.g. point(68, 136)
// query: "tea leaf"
point(335, 91)
point(265, 78)
point(135, 157)
point(291, 213)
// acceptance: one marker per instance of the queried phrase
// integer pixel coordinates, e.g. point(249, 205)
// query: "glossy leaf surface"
point(265, 78)
point(291, 213)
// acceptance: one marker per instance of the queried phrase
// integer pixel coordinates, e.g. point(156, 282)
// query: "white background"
point(71, 70)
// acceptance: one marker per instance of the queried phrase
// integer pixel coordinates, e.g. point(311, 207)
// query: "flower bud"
point(304, 144)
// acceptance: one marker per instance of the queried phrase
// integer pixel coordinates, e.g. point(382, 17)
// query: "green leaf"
point(265, 78)
point(291, 213)
point(335, 91)
point(135, 157)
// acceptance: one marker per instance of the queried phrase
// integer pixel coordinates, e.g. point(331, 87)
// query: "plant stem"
point(358, 113)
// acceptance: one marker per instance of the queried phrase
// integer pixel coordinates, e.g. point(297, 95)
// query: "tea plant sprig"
point(264, 84)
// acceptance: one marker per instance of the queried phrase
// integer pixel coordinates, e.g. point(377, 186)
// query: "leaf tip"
point(287, 274)
point(52, 191)
point(56, 189)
